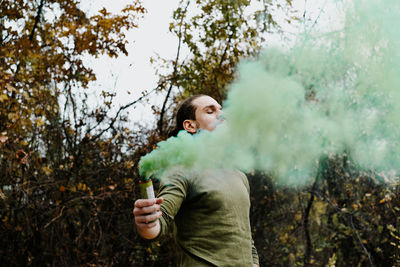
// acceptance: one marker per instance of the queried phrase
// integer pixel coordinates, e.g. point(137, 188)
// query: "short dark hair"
point(186, 111)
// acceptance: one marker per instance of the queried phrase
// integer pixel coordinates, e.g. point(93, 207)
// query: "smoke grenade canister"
point(146, 188)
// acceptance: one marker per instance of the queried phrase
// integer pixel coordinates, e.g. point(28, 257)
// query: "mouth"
point(220, 118)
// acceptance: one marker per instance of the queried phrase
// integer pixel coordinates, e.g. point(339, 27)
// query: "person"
point(210, 208)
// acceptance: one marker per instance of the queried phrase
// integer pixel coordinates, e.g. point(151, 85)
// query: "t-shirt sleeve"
point(245, 181)
point(173, 189)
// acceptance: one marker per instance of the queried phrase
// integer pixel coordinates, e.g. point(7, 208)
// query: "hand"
point(147, 212)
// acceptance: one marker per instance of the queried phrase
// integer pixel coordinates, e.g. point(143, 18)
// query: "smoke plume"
point(336, 92)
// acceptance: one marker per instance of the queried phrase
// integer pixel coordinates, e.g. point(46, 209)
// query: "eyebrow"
point(212, 106)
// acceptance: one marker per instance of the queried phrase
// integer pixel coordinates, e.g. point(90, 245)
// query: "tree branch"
point(228, 43)
point(55, 218)
point(361, 243)
point(351, 224)
point(113, 120)
point(37, 18)
point(307, 253)
point(163, 109)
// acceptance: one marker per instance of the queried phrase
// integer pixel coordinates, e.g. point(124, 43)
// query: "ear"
point(190, 126)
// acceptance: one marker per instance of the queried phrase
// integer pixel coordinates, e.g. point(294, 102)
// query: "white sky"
point(135, 74)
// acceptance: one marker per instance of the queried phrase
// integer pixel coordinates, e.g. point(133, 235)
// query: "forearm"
point(155, 222)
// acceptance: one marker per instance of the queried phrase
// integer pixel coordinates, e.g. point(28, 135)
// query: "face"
point(207, 114)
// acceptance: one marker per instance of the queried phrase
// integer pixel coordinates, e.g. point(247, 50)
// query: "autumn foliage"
point(68, 171)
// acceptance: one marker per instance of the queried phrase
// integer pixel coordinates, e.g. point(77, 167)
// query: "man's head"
point(197, 112)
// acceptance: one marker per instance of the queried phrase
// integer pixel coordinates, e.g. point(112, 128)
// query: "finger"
point(150, 209)
point(150, 225)
point(138, 212)
point(159, 200)
point(148, 218)
point(146, 210)
point(142, 221)
point(146, 225)
point(140, 203)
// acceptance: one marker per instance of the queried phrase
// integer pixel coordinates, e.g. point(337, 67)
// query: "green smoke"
point(331, 93)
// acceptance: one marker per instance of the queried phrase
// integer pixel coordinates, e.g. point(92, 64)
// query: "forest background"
point(69, 168)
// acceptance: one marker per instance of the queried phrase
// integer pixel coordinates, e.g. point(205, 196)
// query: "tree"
point(217, 33)
point(42, 44)
point(68, 171)
point(60, 160)
point(348, 217)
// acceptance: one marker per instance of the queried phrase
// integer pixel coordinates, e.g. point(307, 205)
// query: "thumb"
point(159, 200)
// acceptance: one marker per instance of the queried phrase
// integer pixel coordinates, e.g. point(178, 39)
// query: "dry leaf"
point(3, 139)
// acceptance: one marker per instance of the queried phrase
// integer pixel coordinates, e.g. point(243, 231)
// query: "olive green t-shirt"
point(211, 212)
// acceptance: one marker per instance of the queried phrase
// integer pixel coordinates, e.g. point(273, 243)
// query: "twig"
point(163, 109)
point(361, 243)
point(307, 253)
point(352, 226)
point(55, 218)
point(319, 15)
point(37, 18)
point(113, 120)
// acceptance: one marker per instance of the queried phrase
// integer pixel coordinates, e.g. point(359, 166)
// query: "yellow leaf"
point(47, 170)
point(39, 122)
point(129, 164)
point(82, 187)
point(12, 116)
point(10, 88)
point(2, 195)
point(319, 210)
point(3, 97)
point(298, 217)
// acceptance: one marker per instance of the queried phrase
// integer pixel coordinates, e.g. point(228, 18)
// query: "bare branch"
point(163, 109)
point(37, 18)
point(113, 120)
point(307, 253)
point(361, 243)
point(55, 218)
point(351, 224)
